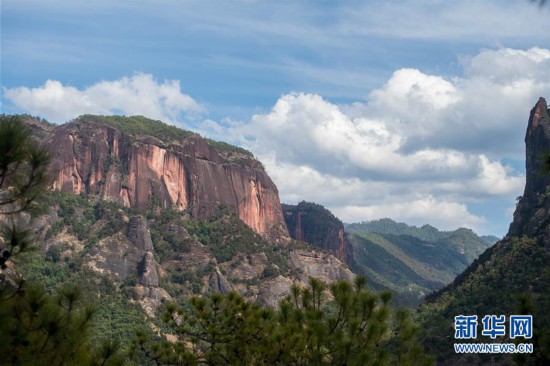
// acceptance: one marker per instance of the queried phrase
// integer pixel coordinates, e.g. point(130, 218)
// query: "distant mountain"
point(511, 277)
point(388, 226)
point(409, 260)
point(467, 242)
point(490, 239)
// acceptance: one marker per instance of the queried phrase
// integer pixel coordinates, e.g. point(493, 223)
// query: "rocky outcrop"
point(145, 172)
point(148, 270)
point(218, 283)
point(215, 186)
point(130, 254)
point(532, 214)
point(317, 226)
point(126, 255)
point(324, 267)
point(138, 233)
point(115, 257)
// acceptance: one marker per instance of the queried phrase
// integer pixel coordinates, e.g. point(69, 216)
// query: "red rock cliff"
point(317, 226)
point(142, 172)
point(532, 213)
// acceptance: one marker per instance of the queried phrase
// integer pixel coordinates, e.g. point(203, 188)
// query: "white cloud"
point(307, 130)
point(353, 199)
point(421, 149)
point(482, 111)
point(495, 179)
point(505, 66)
point(444, 215)
point(140, 94)
point(411, 89)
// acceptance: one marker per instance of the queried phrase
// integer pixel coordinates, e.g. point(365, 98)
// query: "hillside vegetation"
point(142, 126)
point(409, 260)
point(502, 281)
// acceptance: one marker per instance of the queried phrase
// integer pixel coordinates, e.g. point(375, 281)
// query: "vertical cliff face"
point(532, 214)
point(317, 226)
point(142, 171)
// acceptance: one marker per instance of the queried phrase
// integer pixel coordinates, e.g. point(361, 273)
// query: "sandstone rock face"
point(144, 172)
point(115, 257)
point(317, 226)
point(532, 215)
point(121, 256)
point(273, 291)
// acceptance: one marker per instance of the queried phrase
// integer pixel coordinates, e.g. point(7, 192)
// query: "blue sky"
point(414, 110)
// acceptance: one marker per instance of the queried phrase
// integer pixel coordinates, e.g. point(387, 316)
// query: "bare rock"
point(218, 283)
point(148, 270)
point(150, 298)
point(532, 210)
point(138, 233)
point(274, 290)
point(325, 267)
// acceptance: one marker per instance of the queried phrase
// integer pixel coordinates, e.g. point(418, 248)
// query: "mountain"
point(314, 224)
point(142, 163)
point(141, 213)
point(408, 260)
point(411, 261)
point(462, 240)
point(511, 277)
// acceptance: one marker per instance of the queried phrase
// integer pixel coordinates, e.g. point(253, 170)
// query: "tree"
point(351, 326)
point(35, 328)
point(538, 308)
point(23, 176)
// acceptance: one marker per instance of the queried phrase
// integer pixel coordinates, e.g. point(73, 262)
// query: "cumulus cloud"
point(140, 94)
point(420, 149)
point(506, 66)
point(305, 129)
point(354, 199)
point(489, 99)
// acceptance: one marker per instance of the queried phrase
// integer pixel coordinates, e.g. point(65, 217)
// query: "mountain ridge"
point(411, 261)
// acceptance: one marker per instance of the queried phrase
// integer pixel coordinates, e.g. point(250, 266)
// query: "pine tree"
point(35, 328)
point(348, 326)
point(23, 177)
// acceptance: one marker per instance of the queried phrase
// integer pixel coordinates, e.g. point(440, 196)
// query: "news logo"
point(466, 327)
point(493, 326)
point(521, 326)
